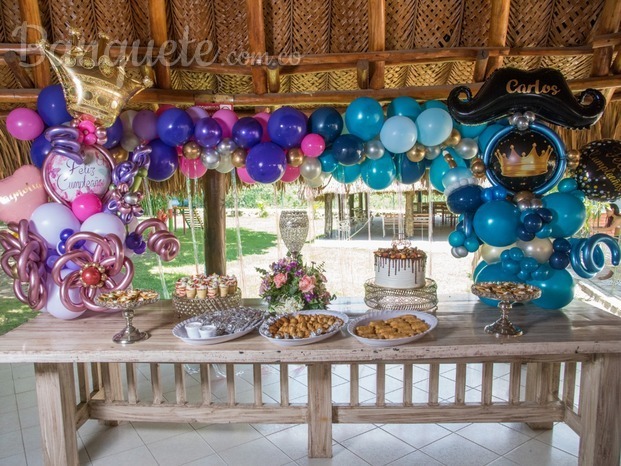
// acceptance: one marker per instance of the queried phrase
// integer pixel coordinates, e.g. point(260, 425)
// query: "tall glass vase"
point(293, 229)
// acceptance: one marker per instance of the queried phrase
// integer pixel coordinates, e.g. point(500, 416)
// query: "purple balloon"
point(247, 132)
point(145, 125)
point(266, 162)
point(114, 134)
point(174, 127)
point(164, 161)
point(287, 127)
point(207, 132)
point(196, 113)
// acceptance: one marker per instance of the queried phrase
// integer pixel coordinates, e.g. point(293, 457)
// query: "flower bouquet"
point(290, 285)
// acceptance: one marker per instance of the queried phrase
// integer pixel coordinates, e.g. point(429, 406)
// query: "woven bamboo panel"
point(231, 25)
point(311, 27)
point(74, 13)
point(475, 23)
point(277, 17)
point(572, 67)
point(11, 20)
point(573, 22)
point(349, 26)
point(140, 18)
point(14, 153)
point(309, 82)
point(461, 72)
point(395, 76)
point(438, 23)
point(232, 84)
point(193, 20)
point(400, 17)
point(529, 23)
point(345, 80)
point(428, 75)
point(114, 17)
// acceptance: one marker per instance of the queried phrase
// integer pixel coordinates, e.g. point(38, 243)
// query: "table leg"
point(113, 386)
point(600, 392)
point(319, 411)
point(538, 388)
point(57, 412)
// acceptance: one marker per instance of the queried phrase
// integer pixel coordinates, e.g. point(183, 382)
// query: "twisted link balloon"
point(125, 172)
point(23, 259)
point(65, 141)
point(125, 210)
point(587, 258)
point(161, 241)
point(108, 254)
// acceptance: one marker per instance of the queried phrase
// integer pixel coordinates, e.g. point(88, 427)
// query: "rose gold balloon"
point(191, 150)
point(295, 157)
point(477, 167)
point(453, 139)
point(416, 153)
point(238, 157)
point(119, 155)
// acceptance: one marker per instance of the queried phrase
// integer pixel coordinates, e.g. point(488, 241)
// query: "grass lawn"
point(13, 313)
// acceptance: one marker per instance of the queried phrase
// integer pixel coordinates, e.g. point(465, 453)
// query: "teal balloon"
point(328, 162)
point(409, 172)
point(486, 136)
point(469, 131)
point(378, 174)
point(496, 223)
point(434, 104)
point(364, 118)
point(438, 169)
point(404, 106)
point(434, 126)
point(567, 185)
point(471, 244)
point(568, 214)
point(557, 290)
point(480, 266)
point(456, 238)
point(494, 273)
point(346, 174)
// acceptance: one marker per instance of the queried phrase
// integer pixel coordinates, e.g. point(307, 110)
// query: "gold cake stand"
point(129, 334)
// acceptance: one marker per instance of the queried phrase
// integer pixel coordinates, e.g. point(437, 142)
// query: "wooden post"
point(327, 225)
point(377, 41)
point(499, 23)
point(215, 222)
point(538, 385)
point(256, 43)
point(31, 15)
point(608, 22)
point(159, 33)
point(409, 213)
point(319, 411)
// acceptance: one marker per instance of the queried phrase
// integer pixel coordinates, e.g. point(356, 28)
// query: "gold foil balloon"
point(523, 196)
point(416, 153)
point(295, 157)
point(573, 155)
point(118, 154)
point(238, 157)
point(93, 85)
point(191, 150)
point(453, 139)
point(477, 167)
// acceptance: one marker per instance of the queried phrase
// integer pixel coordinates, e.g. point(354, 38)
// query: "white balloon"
point(491, 254)
point(129, 142)
point(310, 168)
point(49, 220)
point(103, 224)
point(226, 164)
point(539, 248)
point(55, 306)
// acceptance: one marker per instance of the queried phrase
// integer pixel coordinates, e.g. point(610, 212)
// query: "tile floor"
point(139, 443)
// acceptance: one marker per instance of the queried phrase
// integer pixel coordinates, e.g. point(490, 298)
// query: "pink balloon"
point(263, 118)
point(21, 193)
point(291, 174)
point(24, 124)
point(244, 176)
point(86, 205)
point(226, 119)
point(193, 169)
point(196, 113)
point(313, 145)
point(162, 108)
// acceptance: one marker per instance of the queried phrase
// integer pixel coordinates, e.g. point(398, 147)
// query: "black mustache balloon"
point(543, 92)
point(599, 172)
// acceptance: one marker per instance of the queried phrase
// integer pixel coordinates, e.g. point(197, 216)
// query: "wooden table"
point(555, 343)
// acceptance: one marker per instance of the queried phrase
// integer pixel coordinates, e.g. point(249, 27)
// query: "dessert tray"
point(186, 307)
point(329, 323)
point(230, 324)
point(374, 316)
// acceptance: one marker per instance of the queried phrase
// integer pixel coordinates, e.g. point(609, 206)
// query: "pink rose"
point(307, 284)
point(280, 279)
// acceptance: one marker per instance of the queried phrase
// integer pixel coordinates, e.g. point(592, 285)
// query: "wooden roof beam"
point(256, 42)
point(377, 41)
point(31, 15)
point(498, 26)
point(159, 33)
point(608, 23)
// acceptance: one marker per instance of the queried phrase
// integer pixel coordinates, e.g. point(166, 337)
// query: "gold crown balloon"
point(92, 83)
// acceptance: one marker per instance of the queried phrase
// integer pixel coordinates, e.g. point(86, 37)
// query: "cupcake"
point(190, 292)
point(232, 284)
point(212, 291)
point(224, 290)
point(180, 287)
point(201, 292)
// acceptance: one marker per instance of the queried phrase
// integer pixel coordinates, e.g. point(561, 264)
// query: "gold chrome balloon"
point(477, 167)
point(295, 157)
point(453, 139)
point(191, 150)
point(238, 157)
point(118, 154)
point(573, 155)
point(416, 153)
point(523, 196)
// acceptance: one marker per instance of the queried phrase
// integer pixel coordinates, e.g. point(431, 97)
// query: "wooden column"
point(31, 15)
point(327, 223)
point(499, 23)
point(377, 41)
point(608, 22)
point(214, 192)
point(409, 213)
point(319, 411)
point(159, 33)
point(256, 42)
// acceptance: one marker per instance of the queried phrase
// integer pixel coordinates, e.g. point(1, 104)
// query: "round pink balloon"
point(263, 118)
point(21, 193)
point(193, 169)
point(226, 119)
point(291, 174)
point(244, 176)
point(313, 145)
point(86, 205)
point(24, 124)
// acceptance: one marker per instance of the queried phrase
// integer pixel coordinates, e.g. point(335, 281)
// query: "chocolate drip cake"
point(400, 267)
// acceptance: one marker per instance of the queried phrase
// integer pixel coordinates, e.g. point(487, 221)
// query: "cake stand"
point(503, 326)
point(129, 334)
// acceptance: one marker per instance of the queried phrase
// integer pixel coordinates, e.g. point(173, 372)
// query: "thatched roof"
point(305, 52)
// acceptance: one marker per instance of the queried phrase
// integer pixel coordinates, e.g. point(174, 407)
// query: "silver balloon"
point(432, 152)
point(129, 142)
point(374, 149)
point(539, 249)
point(530, 116)
point(226, 164)
point(522, 123)
point(467, 148)
point(459, 252)
point(491, 254)
point(317, 182)
point(127, 120)
point(536, 203)
point(226, 146)
point(210, 158)
point(310, 168)
point(513, 118)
